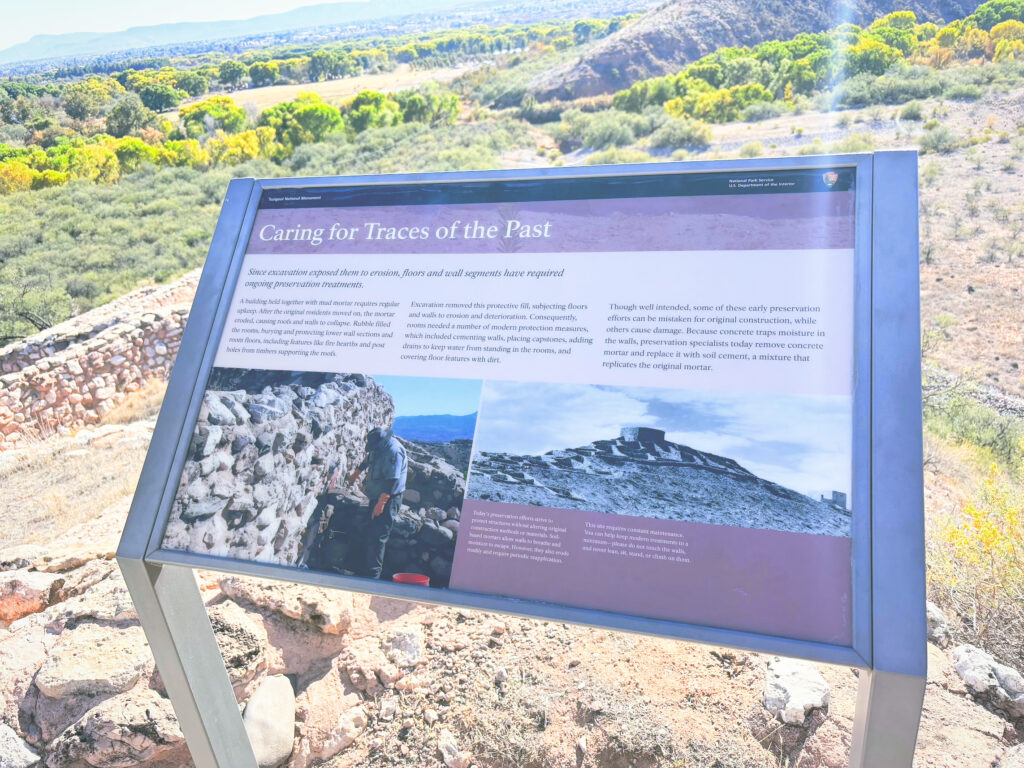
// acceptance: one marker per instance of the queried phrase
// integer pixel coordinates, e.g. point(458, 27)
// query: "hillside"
point(649, 476)
point(681, 31)
point(84, 43)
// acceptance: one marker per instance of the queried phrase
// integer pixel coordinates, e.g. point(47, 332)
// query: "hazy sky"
point(801, 442)
point(21, 20)
point(414, 396)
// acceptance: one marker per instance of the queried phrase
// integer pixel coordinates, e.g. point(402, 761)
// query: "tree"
point(264, 73)
point(231, 72)
point(372, 109)
point(128, 116)
point(323, 64)
point(305, 120)
point(89, 98)
point(192, 83)
point(212, 114)
point(160, 97)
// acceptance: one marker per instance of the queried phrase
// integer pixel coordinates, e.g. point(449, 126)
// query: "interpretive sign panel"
point(633, 394)
point(681, 399)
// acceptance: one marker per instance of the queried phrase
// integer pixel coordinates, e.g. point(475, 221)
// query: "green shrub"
point(964, 92)
point(752, 149)
point(617, 156)
point(683, 133)
point(938, 138)
point(913, 110)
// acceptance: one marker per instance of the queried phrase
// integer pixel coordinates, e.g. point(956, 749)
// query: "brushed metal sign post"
point(888, 590)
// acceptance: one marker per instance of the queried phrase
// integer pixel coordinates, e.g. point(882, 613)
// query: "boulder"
point(123, 732)
point(993, 684)
point(93, 660)
point(938, 627)
point(793, 689)
point(270, 721)
point(331, 611)
point(330, 717)
point(14, 752)
point(23, 592)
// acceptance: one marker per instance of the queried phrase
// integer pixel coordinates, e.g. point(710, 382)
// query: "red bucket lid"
point(411, 578)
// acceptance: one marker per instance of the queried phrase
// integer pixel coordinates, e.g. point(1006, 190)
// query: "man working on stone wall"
point(384, 486)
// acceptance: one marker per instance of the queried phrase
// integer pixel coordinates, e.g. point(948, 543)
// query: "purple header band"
point(774, 583)
point(783, 221)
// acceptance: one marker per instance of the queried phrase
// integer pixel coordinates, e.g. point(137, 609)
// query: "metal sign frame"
point(889, 627)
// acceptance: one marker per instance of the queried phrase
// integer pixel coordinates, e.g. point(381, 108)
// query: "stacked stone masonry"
point(74, 374)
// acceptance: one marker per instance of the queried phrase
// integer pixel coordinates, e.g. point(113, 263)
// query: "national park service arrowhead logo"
point(831, 178)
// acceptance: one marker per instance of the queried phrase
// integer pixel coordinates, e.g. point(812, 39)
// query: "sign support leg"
point(887, 718)
point(174, 618)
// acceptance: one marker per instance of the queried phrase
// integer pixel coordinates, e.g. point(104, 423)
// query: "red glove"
point(353, 476)
point(381, 502)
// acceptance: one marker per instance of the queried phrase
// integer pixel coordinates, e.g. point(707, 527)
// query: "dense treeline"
point(99, 128)
point(212, 132)
point(162, 85)
point(735, 83)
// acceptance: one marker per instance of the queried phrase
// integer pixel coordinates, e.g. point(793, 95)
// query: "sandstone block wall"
point(87, 325)
point(73, 374)
point(264, 445)
point(77, 386)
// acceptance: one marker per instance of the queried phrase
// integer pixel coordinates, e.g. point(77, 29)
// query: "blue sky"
point(415, 396)
point(22, 20)
point(800, 442)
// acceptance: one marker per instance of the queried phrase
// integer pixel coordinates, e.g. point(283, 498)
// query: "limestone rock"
point(331, 611)
point(242, 643)
point(1012, 758)
point(363, 660)
point(19, 557)
point(122, 732)
point(21, 655)
point(14, 752)
point(270, 721)
point(994, 684)
point(106, 601)
point(94, 660)
point(451, 754)
point(330, 718)
point(59, 562)
point(405, 646)
point(938, 627)
point(23, 592)
point(794, 688)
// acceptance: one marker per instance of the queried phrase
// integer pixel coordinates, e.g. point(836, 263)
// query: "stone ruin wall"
point(264, 445)
point(72, 375)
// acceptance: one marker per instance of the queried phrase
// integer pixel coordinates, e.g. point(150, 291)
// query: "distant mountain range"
point(642, 474)
point(435, 429)
point(329, 14)
point(680, 31)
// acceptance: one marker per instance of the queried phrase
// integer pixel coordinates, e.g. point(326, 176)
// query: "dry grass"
point(56, 483)
point(143, 405)
point(334, 91)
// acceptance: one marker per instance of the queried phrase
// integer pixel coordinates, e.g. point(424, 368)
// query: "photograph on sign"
point(627, 394)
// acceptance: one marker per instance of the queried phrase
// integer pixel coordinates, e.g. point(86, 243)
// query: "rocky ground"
point(652, 478)
point(345, 680)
